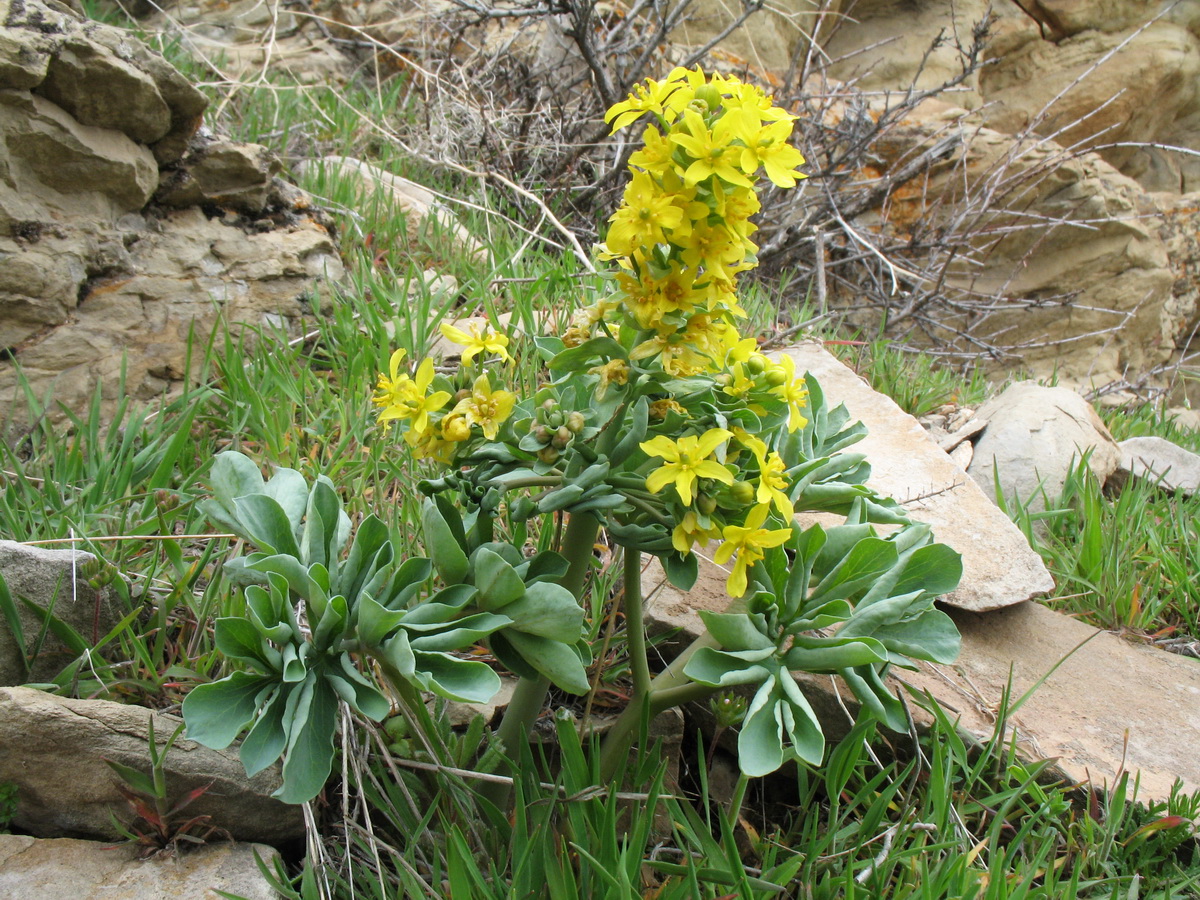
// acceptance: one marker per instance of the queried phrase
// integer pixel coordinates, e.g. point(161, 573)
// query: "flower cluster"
point(663, 419)
point(419, 402)
point(683, 232)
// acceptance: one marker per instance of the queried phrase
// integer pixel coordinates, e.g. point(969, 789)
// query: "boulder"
point(999, 568)
point(1159, 462)
point(1034, 438)
point(53, 748)
point(66, 869)
point(67, 583)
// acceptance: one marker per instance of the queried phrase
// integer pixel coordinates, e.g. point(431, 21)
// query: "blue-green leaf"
point(554, 659)
point(760, 742)
point(549, 610)
point(735, 631)
point(237, 638)
point(265, 741)
point(448, 676)
point(497, 581)
point(217, 712)
point(311, 722)
point(719, 668)
point(266, 524)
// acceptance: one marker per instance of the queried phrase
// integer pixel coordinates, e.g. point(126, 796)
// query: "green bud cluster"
point(555, 429)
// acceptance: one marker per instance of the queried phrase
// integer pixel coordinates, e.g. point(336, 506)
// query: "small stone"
point(59, 581)
point(1034, 438)
point(53, 748)
point(1161, 463)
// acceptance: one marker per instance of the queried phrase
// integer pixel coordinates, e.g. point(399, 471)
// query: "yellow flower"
point(768, 147)
point(793, 390)
point(686, 460)
point(476, 341)
point(655, 156)
point(666, 98)
point(772, 484)
point(406, 398)
point(486, 408)
point(690, 532)
point(712, 150)
point(748, 542)
point(640, 222)
point(615, 371)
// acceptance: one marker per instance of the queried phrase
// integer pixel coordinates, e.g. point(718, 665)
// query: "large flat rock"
point(1113, 705)
point(68, 869)
point(999, 568)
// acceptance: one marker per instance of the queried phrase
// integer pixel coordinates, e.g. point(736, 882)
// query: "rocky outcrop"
point(67, 584)
point(43, 737)
point(1035, 437)
point(125, 230)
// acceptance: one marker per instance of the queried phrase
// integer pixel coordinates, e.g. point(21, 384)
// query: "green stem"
point(635, 628)
point(669, 688)
point(530, 694)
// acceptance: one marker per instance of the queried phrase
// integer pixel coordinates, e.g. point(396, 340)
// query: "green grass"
point(943, 819)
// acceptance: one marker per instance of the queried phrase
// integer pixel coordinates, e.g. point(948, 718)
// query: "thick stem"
point(530, 694)
point(669, 688)
point(635, 628)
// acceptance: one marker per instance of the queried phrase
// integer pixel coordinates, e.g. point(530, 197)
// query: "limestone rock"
point(226, 174)
point(1035, 436)
point(58, 581)
point(999, 568)
point(99, 75)
point(67, 869)
point(1160, 462)
point(54, 748)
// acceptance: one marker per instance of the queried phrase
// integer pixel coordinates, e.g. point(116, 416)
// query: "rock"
point(58, 581)
point(999, 568)
point(66, 869)
point(99, 75)
point(179, 276)
point(1108, 692)
point(53, 748)
point(1035, 436)
point(1160, 462)
point(459, 714)
point(1185, 417)
point(226, 174)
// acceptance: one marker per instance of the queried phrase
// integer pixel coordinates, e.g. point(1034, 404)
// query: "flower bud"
point(709, 96)
point(562, 438)
point(548, 455)
point(462, 394)
point(455, 428)
point(541, 434)
point(706, 504)
point(556, 419)
point(576, 421)
point(756, 364)
point(776, 377)
point(742, 492)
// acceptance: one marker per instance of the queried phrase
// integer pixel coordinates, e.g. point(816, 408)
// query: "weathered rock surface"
point(57, 581)
point(95, 279)
point(999, 568)
point(1159, 462)
point(66, 869)
point(53, 748)
point(1034, 437)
